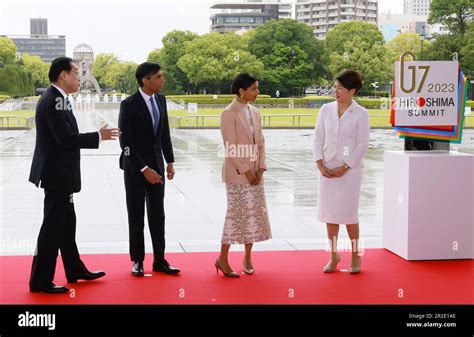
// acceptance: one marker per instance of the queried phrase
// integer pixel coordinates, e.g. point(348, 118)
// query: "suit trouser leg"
point(73, 265)
point(156, 219)
point(135, 197)
point(49, 238)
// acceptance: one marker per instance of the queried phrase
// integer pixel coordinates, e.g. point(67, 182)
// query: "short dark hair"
point(146, 69)
point(350, 79)
point(242, 81)
point(59, 65)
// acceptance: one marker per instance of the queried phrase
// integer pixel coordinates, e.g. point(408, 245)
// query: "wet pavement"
point(195, 200)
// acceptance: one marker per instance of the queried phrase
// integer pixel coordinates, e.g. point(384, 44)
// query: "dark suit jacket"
point(56, 160)
point(140, 146)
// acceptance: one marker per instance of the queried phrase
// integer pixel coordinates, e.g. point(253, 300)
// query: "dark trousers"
point(58, 232)
point(138, 193)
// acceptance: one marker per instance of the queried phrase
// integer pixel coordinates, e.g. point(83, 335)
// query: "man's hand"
point(324, 170)
point(152, 176)
point(338, 171)
point(170, 171)
point(259, 176)
point(251, 177)
point(107, 134)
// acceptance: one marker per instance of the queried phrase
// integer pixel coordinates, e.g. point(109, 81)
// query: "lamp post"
point(422, 38)
point(375, 85)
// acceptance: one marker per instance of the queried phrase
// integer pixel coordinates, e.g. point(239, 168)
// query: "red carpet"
point(281, 277)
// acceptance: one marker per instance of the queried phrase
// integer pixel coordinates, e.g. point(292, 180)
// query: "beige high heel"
point(248, 271)
point(355, 269)
point(226, 274)
point(331, 265)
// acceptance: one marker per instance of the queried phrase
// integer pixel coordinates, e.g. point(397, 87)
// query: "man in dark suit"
point(56, 168)
point(143, 120)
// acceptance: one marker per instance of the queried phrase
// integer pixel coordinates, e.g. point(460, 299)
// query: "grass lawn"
point(378, 117)
point(19, 120)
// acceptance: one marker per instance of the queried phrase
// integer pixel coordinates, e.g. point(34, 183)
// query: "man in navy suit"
point(146, 138)
point(56, 168)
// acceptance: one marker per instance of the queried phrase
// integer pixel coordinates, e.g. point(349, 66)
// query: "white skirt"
point(338, 198)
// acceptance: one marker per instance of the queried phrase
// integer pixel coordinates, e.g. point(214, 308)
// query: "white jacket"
point(346, 139)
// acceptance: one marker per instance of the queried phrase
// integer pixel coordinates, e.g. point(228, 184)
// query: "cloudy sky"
point(130, 29)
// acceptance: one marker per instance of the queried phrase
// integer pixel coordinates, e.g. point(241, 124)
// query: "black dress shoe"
point(88, 276)
point(49, 289)
point(164, 267)
point(137, 269)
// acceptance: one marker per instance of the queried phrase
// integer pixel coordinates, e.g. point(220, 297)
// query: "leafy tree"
point(37, 69)
point(212, 60)
point(467, 51)
point(358, 45)
point(168, 57)
point(8, 51)
point(121, 76)
point(372, 62)
point(290, 53)
point(454, 14)
point(102, 64)
point(406, 42)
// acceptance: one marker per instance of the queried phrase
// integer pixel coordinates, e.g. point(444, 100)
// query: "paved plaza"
point(195, 200)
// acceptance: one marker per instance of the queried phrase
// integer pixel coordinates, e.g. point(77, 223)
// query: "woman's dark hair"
point(242, 81)
point(59, 65)
point(350, 79)
point(145, 70)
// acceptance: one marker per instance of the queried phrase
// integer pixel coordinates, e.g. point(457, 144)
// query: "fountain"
point(106, 98)
point(114, 98)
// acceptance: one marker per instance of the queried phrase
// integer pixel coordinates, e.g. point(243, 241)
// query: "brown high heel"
point(228, 274)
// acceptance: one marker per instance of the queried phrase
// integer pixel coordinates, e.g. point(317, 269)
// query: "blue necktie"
point(156, 114)
point(68, 104)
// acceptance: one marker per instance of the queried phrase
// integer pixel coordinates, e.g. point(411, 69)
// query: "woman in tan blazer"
point(246, 220)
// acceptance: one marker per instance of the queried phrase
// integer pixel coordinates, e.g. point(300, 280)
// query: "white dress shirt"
point(62, 92)
point(147, 97)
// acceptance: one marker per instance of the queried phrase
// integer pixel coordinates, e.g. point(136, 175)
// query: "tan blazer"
point(241, 151)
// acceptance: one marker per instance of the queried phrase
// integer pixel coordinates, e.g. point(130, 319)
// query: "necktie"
point(68, 104)
point(156, 114)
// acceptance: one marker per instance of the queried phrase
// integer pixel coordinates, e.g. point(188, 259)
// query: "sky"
point(130, 29)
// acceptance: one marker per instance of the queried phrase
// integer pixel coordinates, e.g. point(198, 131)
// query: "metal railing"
point(200, 120)
point(16, 122)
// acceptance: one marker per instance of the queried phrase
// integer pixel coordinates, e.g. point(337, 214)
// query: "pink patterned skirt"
point(246, 220)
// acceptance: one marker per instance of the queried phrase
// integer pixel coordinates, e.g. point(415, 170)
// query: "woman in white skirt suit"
point(340, 143)
point(246, 219)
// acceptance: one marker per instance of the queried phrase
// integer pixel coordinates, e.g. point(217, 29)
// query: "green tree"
point(8, 51)
point(467, 59)
point(338, 36)
point(102, 64)
point(372, 62)
point(358, 45)
point(290, 54)
point(14, 81)
point(121, 77)
point(455, 14)
point(37, 69)
point(406, 42)
point(212, 60)
point(168, 57)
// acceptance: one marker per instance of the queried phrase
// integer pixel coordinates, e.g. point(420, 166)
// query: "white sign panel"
point(426, 93)
point(192, 108)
